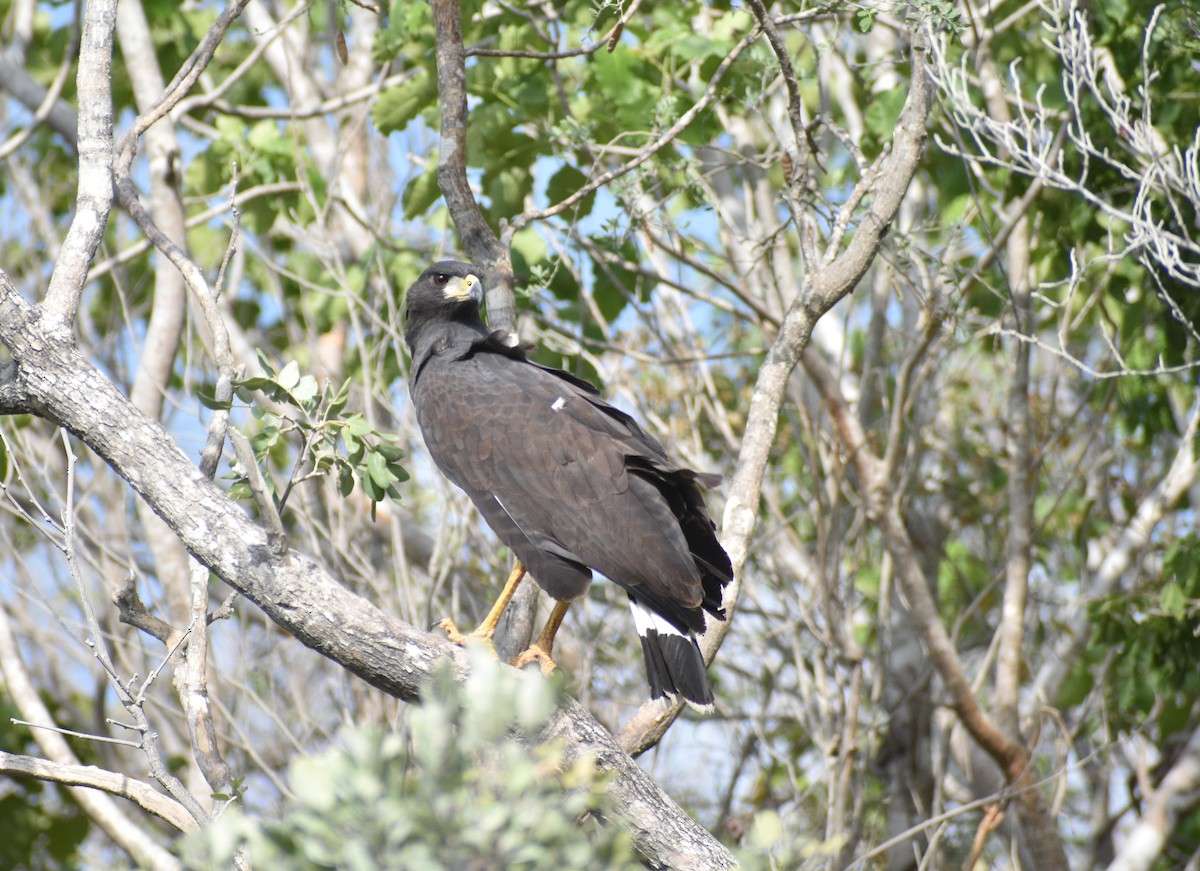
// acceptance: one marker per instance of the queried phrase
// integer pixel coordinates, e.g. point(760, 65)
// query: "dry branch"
point(92, 777)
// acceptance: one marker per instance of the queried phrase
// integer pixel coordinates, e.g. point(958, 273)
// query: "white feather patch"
point(644, 620)
point(559, 404)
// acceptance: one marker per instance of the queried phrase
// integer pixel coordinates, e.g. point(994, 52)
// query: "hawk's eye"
point(440, 279)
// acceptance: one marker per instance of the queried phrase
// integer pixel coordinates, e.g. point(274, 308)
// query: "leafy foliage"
point(1154, 636)
point(300, 409)
point(464, 790)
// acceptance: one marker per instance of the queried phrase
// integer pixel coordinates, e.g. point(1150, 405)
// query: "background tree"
point(952, 388)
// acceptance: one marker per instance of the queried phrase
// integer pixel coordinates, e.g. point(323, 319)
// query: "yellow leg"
point(542, 649)
point(487, 628)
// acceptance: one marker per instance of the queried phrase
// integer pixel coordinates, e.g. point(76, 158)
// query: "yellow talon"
point(543, 658)
point(542, 649)
point(481, 634)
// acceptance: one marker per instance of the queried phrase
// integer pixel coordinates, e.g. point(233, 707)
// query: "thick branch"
point(94, 197)
point(90, 776)
point(1020, 498)
point(479, 241)
point(58, 383)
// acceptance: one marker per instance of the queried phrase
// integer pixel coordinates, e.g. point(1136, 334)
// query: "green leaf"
point(338, 402)
point(1075, 688)
point(305, 390)
point(374, 492)
point(266, 385)
point(422, 192)
point(620, 74)
point(358, 426)
point(564, 183)
point(208, 401)
point(264, 362)
point(345, 479)
point(397, 106)
point(884, 111)
point(391, 453)
point(265, 136)
point(1173, 601)
point(377, 469)
point(289, 376)
point(507, 189)
point(3, 460)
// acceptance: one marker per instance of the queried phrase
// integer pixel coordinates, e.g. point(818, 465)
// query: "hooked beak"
point(466, 288)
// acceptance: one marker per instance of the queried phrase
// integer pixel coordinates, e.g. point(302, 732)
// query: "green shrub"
point(463, 792)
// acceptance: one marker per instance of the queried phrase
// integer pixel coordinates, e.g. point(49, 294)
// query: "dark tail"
point(674, 664)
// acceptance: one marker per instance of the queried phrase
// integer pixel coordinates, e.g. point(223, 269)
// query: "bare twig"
point(105, 739)
point(133, 612)
point(148, 743)
point(99, 807)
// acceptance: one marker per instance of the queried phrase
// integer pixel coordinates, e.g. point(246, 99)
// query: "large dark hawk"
point(569, 483)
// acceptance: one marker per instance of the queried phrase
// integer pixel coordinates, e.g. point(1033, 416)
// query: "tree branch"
point(478, 239)
point(92, 777)
point(482, 247)
point(1021, 488)
point(93, 200)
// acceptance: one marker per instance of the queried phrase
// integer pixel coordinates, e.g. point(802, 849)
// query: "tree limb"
point(478, 240)
point(92, 777)
point(483, 248)
point(94, 197)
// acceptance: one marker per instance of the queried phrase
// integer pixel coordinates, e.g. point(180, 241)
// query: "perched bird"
point(569, 483)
